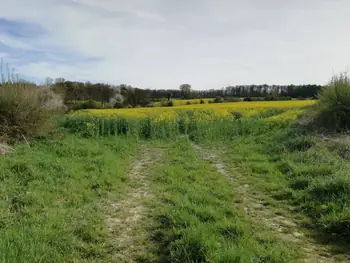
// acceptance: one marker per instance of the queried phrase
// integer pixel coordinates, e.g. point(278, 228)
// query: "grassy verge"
point(196, 220)
point(299, 168)
point(51, 207)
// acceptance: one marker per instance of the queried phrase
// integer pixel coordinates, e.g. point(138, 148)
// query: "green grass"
point(297, 168)
point(196, 220)
point(52, 196)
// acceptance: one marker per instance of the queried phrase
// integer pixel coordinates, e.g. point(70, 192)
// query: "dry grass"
point(5, 149)
point(25, 109)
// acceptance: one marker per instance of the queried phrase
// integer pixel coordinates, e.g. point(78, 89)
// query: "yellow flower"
point(201, 112)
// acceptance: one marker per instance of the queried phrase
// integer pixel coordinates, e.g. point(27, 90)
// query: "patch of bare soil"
point(282, 224)
point(125, 219)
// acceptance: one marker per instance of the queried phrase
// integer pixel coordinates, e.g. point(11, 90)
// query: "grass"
point(52, 195)
point(55, 195)
point(294, 163)
point(299, 168)
point(196, 219)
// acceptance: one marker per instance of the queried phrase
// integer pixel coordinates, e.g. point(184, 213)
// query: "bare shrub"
point(25, 109)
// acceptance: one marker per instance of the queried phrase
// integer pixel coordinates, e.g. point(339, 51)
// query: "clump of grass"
point(332, 112)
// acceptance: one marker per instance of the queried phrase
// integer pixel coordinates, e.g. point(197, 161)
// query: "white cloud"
point(162, 43)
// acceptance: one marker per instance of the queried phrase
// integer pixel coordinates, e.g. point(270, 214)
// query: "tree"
point(59, 80)
point(186, 91)
point(48, 81)
point(134, 96)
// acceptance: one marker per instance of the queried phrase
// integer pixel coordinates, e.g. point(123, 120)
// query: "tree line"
point(128, 96)
point(241, 91)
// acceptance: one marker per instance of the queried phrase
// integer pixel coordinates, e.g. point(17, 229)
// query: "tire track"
point(125, 219)
point(285, 228)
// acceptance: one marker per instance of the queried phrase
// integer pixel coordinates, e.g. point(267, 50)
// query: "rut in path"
point(285, 228)
point(125, 218)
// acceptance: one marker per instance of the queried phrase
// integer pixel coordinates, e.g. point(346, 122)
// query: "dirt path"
point(283, 225)
point(126, 219)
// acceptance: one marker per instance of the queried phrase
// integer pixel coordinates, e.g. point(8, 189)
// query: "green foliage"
point(135, 96)
point(333, 109)
point(186, 91)
point(78, 91)
point(85, 104)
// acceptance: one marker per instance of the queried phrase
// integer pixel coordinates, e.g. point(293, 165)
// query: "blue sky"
point(164, 43)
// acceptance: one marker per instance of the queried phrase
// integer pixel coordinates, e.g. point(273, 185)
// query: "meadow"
point(221, 183)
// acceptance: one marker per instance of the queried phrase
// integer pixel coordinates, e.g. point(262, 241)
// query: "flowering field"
point(218, 109)
point(167, 121)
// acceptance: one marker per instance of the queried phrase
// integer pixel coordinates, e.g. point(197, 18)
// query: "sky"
point(162, 44)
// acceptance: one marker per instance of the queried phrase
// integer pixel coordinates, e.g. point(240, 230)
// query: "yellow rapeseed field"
point(208, 120)
point(202, 111)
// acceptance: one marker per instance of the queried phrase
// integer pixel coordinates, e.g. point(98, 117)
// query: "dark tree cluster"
point(127, 96)
point(75, 91)
point(241, 91)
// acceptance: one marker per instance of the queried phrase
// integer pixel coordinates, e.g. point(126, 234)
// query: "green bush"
point(85, 104)
point(332, 112)
point(218, 99)
point(202, 102)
